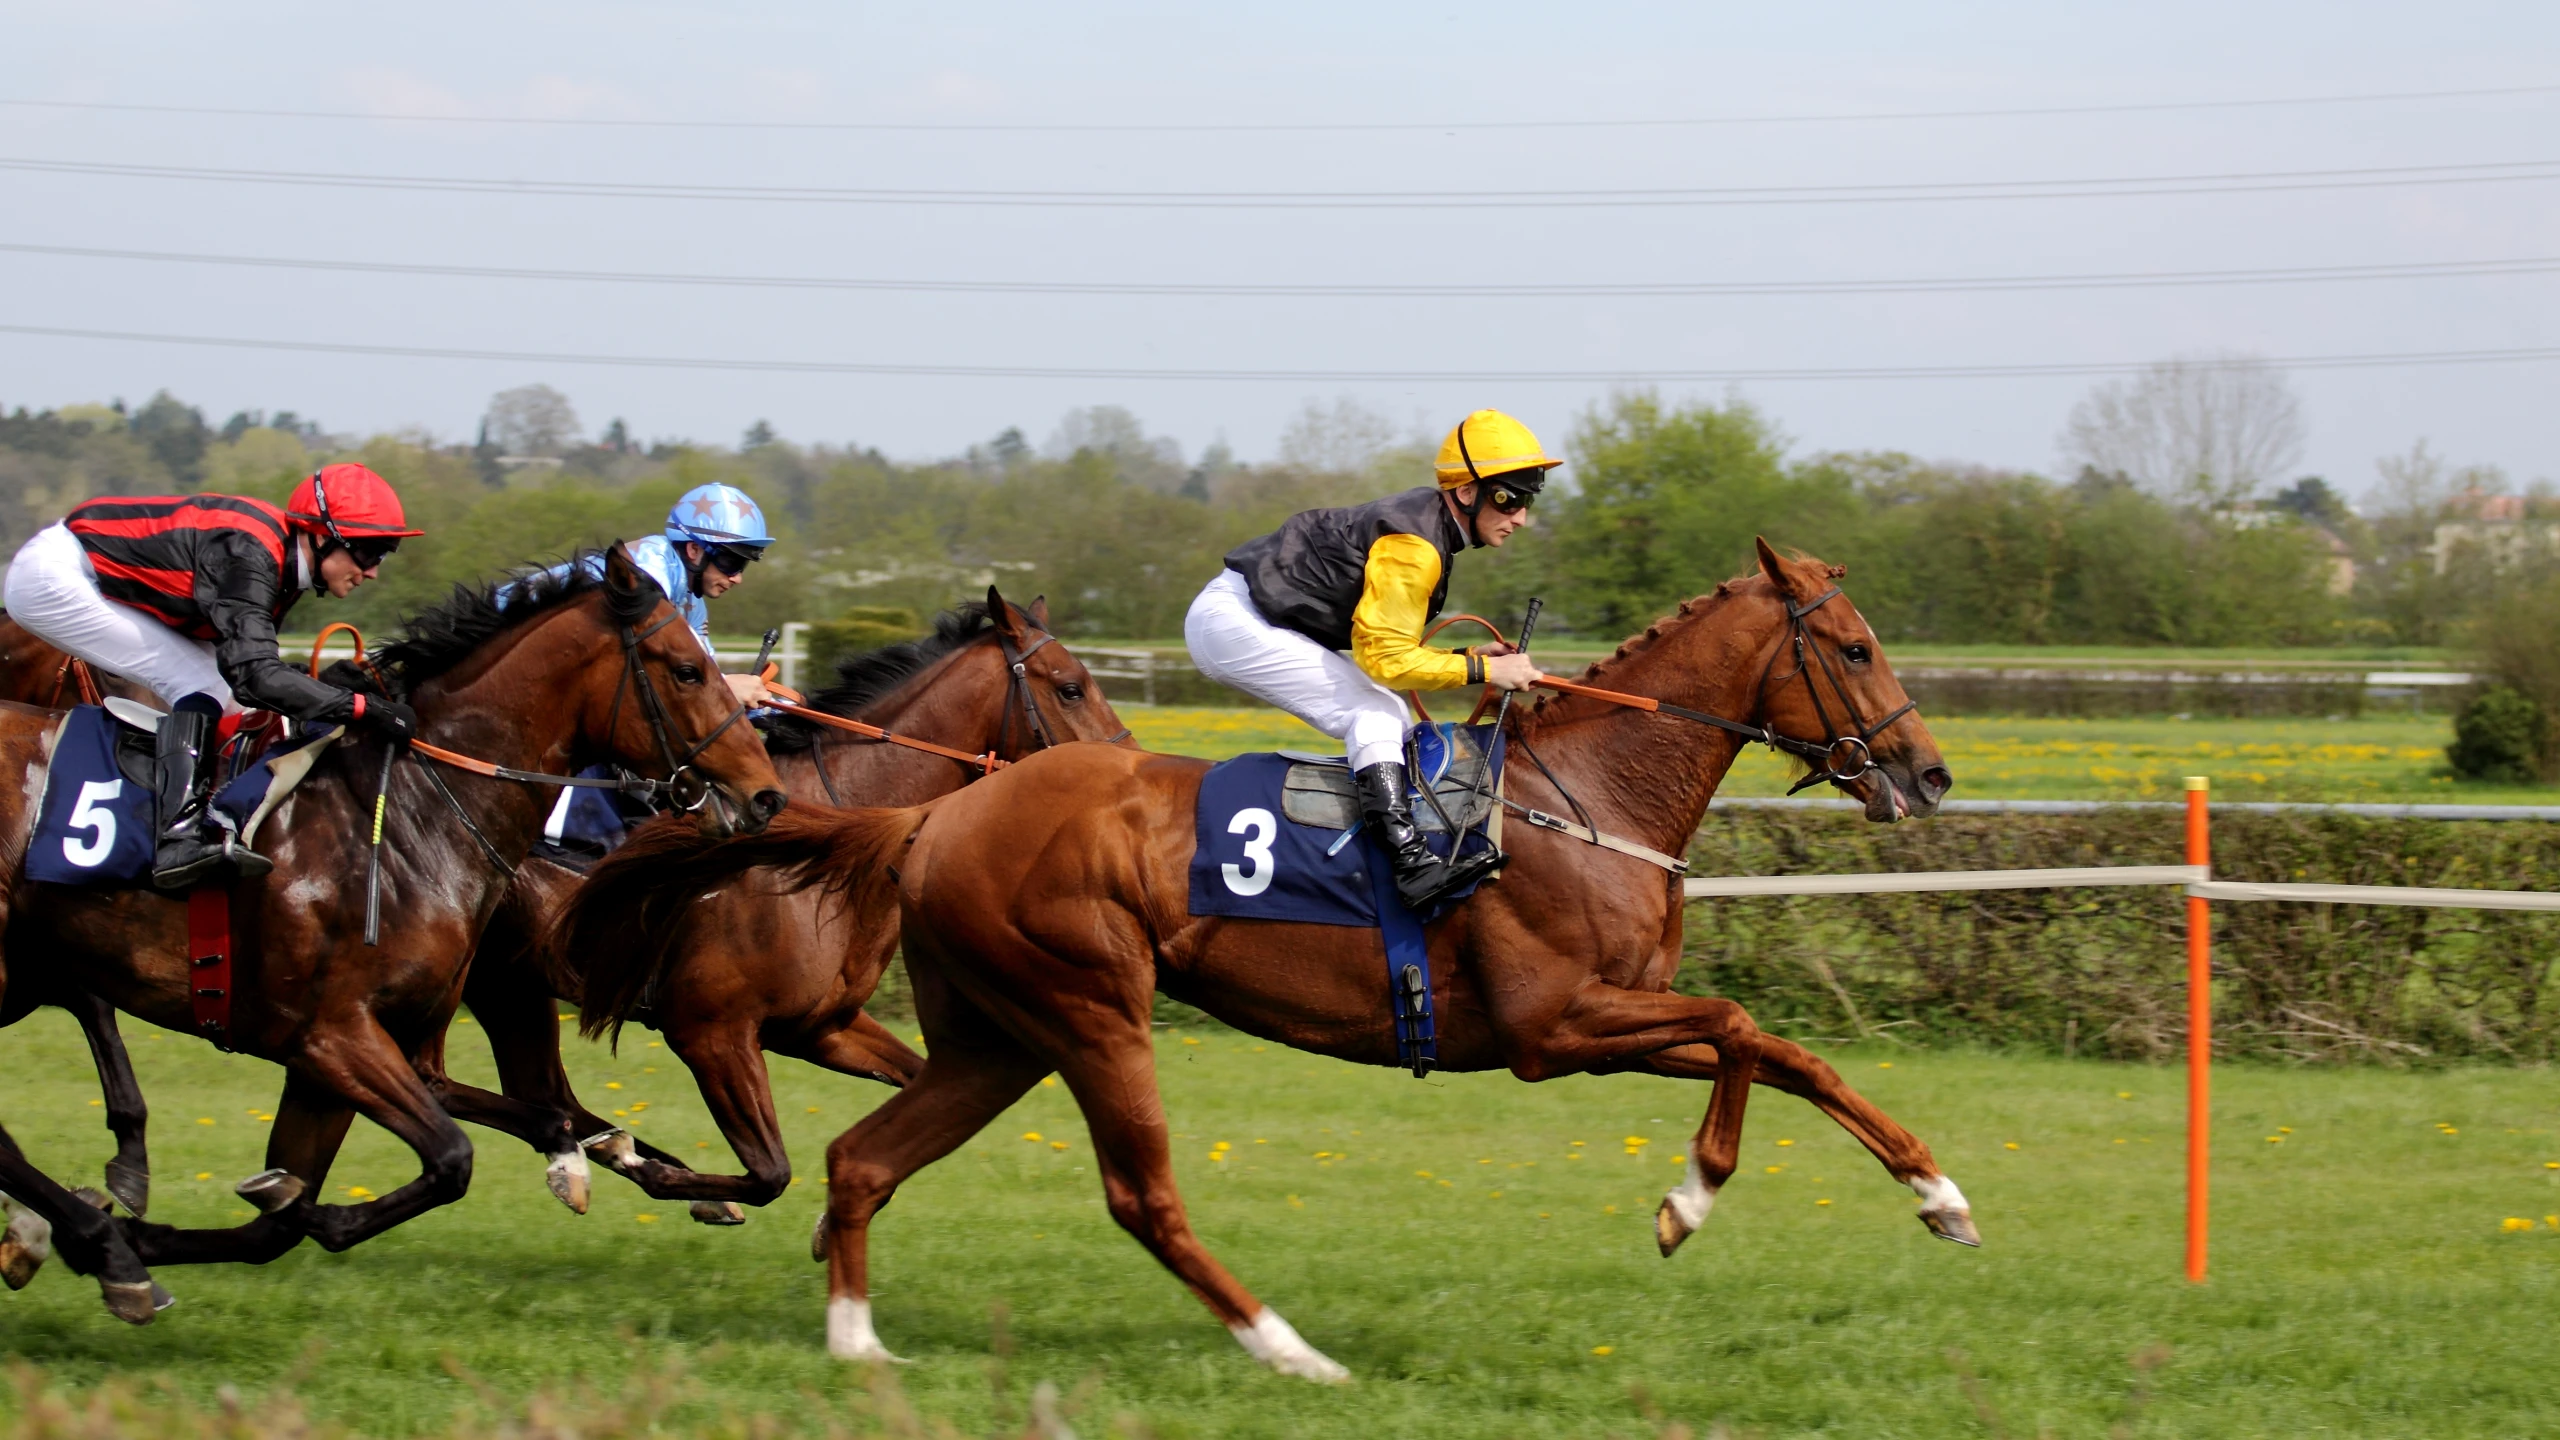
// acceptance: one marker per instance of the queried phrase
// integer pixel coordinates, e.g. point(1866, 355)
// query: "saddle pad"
point(93, 823)
point(1250, 865)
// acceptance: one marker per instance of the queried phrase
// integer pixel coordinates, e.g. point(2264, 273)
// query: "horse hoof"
point(614, 1148)
point(818, 1239)
point(270, 1190)
point(1669, 1229)
point(130, 1301)
point(719, 1212)
point(25, 1244)
point(131, 1185)
point(1956, 1225)
point(850, 1336)
point(567, 1177)
point(161, 1299)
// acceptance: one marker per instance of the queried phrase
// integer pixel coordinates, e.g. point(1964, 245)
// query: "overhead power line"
point(2376, 360)
point(1918, 285)
point(1849, 117)
point(2230, 182)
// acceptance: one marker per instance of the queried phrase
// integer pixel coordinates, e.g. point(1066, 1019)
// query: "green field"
point(2378, 758)
point(1442, 1240)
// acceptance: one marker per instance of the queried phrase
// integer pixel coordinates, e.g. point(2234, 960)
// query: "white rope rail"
point(1724, 886)
point(2379, 895)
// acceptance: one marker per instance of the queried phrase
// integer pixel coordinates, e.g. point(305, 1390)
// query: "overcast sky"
point(1307, 63)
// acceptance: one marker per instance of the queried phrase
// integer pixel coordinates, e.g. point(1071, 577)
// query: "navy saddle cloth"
point(1279, 836)
point(94, 822)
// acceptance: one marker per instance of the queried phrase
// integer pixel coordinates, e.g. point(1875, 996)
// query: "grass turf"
point(2384, 758)
point(1439, 1238)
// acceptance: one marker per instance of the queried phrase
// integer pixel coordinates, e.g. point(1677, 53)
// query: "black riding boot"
point(192, 844)
point(1421, 877)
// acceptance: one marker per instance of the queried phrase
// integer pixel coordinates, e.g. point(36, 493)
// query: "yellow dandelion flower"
point(813, 1110)
point(613, 1084)
point(645, 1218)
point(1884, 1064)
point(1496, 1195)
point(1577, 1144)
point(1189, 1040)
point(1447, 1185)
point(1543, 1215)
point(1785, 1143)
point(1422, 1174)
point(2008, 1144)
point(204, 1119)
point(639, 1105)
point(1219, 1155)
point(2124, 1094)
point(1576, 1155)
point(204, 1174)
point(1604, 1349)
point(1636, 1140)
point(2514, 1223)
point(358, 1192)
point(2284, 1129)
point(1484, 1162)
point(1049, 1082)
point(2119, 1142)
point(1258, 1140)
point(1821, 1202)
point(1608, 1209)
point(1032, 1135)
point(2275, 1139)
point(1222, 1145)
point(1057, 1144)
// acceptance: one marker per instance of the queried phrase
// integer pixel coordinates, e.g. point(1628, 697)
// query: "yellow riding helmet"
point(1489, 443)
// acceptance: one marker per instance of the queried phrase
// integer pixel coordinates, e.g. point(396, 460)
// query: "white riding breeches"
point(53, 592)
point(1234, 645)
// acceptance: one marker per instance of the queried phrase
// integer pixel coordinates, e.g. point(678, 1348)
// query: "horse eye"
point(1071, 693)
point(1857, 654)
point(689, 674)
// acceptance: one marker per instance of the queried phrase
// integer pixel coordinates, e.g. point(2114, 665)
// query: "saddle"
point(95, 819)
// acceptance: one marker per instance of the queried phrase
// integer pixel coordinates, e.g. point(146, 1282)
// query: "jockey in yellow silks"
point(1366, 580)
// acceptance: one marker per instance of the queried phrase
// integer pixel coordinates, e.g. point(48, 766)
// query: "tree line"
point(1660, 501)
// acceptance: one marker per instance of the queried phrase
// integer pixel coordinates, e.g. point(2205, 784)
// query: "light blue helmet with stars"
point(718, 515)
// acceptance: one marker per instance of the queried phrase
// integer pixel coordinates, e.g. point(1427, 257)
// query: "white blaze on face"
point(1270, 1340)
point(1692, 1198)
point(849, 1332)
point(1937, 1193)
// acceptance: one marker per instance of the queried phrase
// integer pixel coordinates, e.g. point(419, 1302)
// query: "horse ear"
point(619, 572)
point(1003, 616)
point(1772, 566)
point(1039, 611)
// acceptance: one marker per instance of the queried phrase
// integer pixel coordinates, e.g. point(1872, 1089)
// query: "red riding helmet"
point(348, 502)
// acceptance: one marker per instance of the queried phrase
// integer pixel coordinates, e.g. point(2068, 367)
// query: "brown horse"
point(561, 671)
point(1043, 907)
point(749, 970)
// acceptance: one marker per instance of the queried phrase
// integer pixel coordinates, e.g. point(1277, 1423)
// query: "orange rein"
point(1545, 682)
point(987, 763)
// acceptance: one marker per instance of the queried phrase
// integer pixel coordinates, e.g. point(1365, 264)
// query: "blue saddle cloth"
point(1276, 834)
point(94, 822)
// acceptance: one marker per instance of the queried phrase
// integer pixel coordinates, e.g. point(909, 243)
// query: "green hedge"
point(2103, 971)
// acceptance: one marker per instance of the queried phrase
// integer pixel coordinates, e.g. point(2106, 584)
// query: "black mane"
point(864, 678)
point(439, 638)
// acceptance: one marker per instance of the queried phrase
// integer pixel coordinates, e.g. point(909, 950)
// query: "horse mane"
point(442, 636)
point(864, 678)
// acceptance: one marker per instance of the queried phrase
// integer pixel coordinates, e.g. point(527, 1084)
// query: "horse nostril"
point(1936, 781)
point(766, 804)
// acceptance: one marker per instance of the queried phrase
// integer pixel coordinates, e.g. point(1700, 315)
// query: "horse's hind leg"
point(129, 1173)
point(1787, 1066)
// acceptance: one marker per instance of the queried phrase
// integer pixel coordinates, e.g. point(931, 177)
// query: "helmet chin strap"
point(1475, 532)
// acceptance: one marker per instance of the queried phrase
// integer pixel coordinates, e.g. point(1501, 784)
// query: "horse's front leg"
point(357, 1067)
point(1787, 1066)
point(129, 1173)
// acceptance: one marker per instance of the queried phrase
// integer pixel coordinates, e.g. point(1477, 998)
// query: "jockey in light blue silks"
point(712, 535)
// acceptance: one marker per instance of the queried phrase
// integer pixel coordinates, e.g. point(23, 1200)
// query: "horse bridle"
point(1860, 733)
point(684, 786)
point(1018, 688)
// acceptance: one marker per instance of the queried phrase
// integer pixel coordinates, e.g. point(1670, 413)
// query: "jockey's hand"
point(1497, 647)
point(1511, 672)
point(391, 719)
point(749, 689)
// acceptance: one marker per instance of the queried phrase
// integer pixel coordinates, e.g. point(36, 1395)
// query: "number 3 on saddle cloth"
point(1279, 837)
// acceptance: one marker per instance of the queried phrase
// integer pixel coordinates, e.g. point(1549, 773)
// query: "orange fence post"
point(2199, 1031)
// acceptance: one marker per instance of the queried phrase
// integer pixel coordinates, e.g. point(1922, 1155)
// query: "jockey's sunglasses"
point(1508, 499)
point(369, 553)
point(728, 562)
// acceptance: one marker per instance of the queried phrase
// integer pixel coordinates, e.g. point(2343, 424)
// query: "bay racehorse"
point(561, 672)
point(1043, 907)
point(756, 968)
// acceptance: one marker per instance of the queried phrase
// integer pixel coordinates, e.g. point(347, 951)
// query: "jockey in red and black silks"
point(183, 594)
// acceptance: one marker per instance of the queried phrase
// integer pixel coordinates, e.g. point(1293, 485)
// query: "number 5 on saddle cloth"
point(1279, 837)
point(94, 823)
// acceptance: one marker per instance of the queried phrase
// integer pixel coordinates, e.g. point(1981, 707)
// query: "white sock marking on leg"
point(1937, 1193)
point(849, 1332)
point(1692, 1198)
point(1270, 1340)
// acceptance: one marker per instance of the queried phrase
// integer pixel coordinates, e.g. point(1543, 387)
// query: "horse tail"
point(616, 938)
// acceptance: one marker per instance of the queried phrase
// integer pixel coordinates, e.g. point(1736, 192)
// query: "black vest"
point(1306, 576)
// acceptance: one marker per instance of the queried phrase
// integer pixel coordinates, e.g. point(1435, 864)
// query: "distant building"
point(2494, 528)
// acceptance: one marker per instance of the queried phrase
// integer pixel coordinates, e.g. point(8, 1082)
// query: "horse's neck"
point(1653, 774)
point(487, 707)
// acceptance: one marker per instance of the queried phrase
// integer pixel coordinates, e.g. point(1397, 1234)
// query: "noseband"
point(1854, 739)
point(684, 786)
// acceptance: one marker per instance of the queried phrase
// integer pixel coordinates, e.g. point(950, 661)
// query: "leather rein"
point(1018, 697)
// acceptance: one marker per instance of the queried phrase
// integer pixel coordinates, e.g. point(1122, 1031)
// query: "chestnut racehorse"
point(1042, 908)
point(749, 970)
point(563, 672)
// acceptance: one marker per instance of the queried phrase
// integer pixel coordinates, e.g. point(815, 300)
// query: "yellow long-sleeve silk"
point(1386, 628)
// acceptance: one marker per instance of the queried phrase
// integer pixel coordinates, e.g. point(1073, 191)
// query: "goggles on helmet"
point(1507, 497)
point(728, 560)
point(368, 553)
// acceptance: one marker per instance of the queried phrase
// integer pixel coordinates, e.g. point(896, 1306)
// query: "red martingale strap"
point(209, 962)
